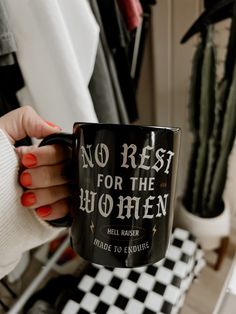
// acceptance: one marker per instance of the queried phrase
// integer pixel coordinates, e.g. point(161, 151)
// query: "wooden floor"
point(204, 292)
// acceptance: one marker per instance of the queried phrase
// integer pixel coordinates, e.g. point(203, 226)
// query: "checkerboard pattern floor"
point(158, 288)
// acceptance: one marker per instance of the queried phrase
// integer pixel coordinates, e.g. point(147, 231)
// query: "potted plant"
point(212, 108)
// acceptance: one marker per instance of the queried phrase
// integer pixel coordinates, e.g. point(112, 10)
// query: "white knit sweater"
point(20, 228)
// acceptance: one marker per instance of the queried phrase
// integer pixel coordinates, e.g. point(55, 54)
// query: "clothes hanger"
point(215, 11)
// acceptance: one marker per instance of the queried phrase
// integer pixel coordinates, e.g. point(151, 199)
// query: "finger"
point(41, 197)
point(54, 211)
point(45, 176)
point(34, 156)
point(25, 121)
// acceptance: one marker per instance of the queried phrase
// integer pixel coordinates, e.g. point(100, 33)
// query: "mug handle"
point(67, 140)
point(58, 138)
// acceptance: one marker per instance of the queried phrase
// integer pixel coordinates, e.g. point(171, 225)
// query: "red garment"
point(132, 12)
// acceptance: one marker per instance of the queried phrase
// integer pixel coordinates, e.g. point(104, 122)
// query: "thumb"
point(23, 122)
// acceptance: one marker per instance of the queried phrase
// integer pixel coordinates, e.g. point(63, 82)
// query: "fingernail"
point(28, 199)
point(44, 211)
point(53, 125)
point(29, 160)
point(26, 179)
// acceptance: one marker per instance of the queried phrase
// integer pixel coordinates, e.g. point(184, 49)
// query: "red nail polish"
point(28, 199)
point(29, 160)
point(53, 125)
point(44, 211)
point(26, 179)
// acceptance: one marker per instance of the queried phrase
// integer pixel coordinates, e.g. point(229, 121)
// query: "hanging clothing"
point(101, 90)
point(10, 82)
point(140, 35)
point(132, 12)
point(11, 79)
point(117, 38)
point(7, 41)
point(106, 95)
point(57, 46)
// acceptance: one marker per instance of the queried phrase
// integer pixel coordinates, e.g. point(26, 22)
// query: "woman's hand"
point(45, 169)
point(45, 178)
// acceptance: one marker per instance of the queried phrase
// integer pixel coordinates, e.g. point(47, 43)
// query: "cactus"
point(215, 130)
point(227, 139)
point(207, 107)
point(194, 110)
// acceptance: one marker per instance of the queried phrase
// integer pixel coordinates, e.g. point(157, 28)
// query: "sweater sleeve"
point(20, 228)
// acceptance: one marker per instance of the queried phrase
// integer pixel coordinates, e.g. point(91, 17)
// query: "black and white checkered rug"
point(158, 288)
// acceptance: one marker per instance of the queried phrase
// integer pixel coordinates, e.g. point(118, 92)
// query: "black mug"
point(124, 179)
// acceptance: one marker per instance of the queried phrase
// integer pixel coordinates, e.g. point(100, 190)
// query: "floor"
point(201, 298)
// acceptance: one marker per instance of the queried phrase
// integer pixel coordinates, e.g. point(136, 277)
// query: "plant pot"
point(208, 231)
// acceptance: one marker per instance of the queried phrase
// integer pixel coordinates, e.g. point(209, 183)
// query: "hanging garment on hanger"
point(101, 90)
point(7, 41)
point(104, 85)
point(119, 101)
point(140, 38)
point(11, 81)
point(57, 45)
point(117, 40)
point(132, 12)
